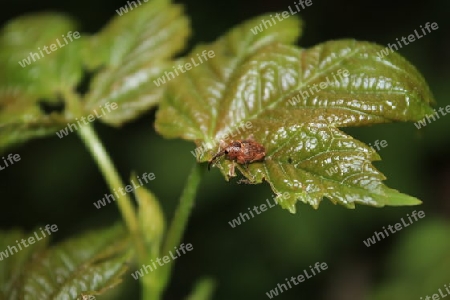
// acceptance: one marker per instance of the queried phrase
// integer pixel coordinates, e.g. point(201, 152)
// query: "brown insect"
point(243, 152)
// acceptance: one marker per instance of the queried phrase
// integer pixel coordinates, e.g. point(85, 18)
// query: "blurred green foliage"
point(57, 182)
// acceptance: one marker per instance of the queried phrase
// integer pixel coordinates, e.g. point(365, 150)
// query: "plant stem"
point(114, 182)
point(180, 219)
point(101, 157)
point(152, 290)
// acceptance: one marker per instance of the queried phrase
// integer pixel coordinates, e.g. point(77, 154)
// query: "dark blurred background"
point(57, 181)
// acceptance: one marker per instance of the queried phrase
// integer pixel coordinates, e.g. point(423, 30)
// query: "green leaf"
point(21, 119)
point(21, 88)
point(13, 267)
point(276, 90)
point(204, 94)
point(415, 256)
point(85, 265)
point(151, 224)
point(35, 36)
point(203, 290)
point(151, 220)
point(134, 49)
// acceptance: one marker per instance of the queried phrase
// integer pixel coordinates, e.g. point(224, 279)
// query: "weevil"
point(243, 152)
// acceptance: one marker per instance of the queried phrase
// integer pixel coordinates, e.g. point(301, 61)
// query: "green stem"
point(101, 157)
point(114, 182)
point(150, 290)
point(180, 219)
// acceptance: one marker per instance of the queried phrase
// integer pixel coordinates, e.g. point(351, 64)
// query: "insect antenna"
point(217, 155)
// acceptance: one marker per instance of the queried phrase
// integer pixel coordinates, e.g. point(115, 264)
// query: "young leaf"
point(151, 220)
point(13, 260)
point(37, 56)
point(134, 50)
point(203, 94)
point(85, 265)
point(295, 99)
point(21, 119)
point(151, 225)
point(35, 63)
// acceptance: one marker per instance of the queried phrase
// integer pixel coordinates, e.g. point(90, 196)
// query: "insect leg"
point(232, 172)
